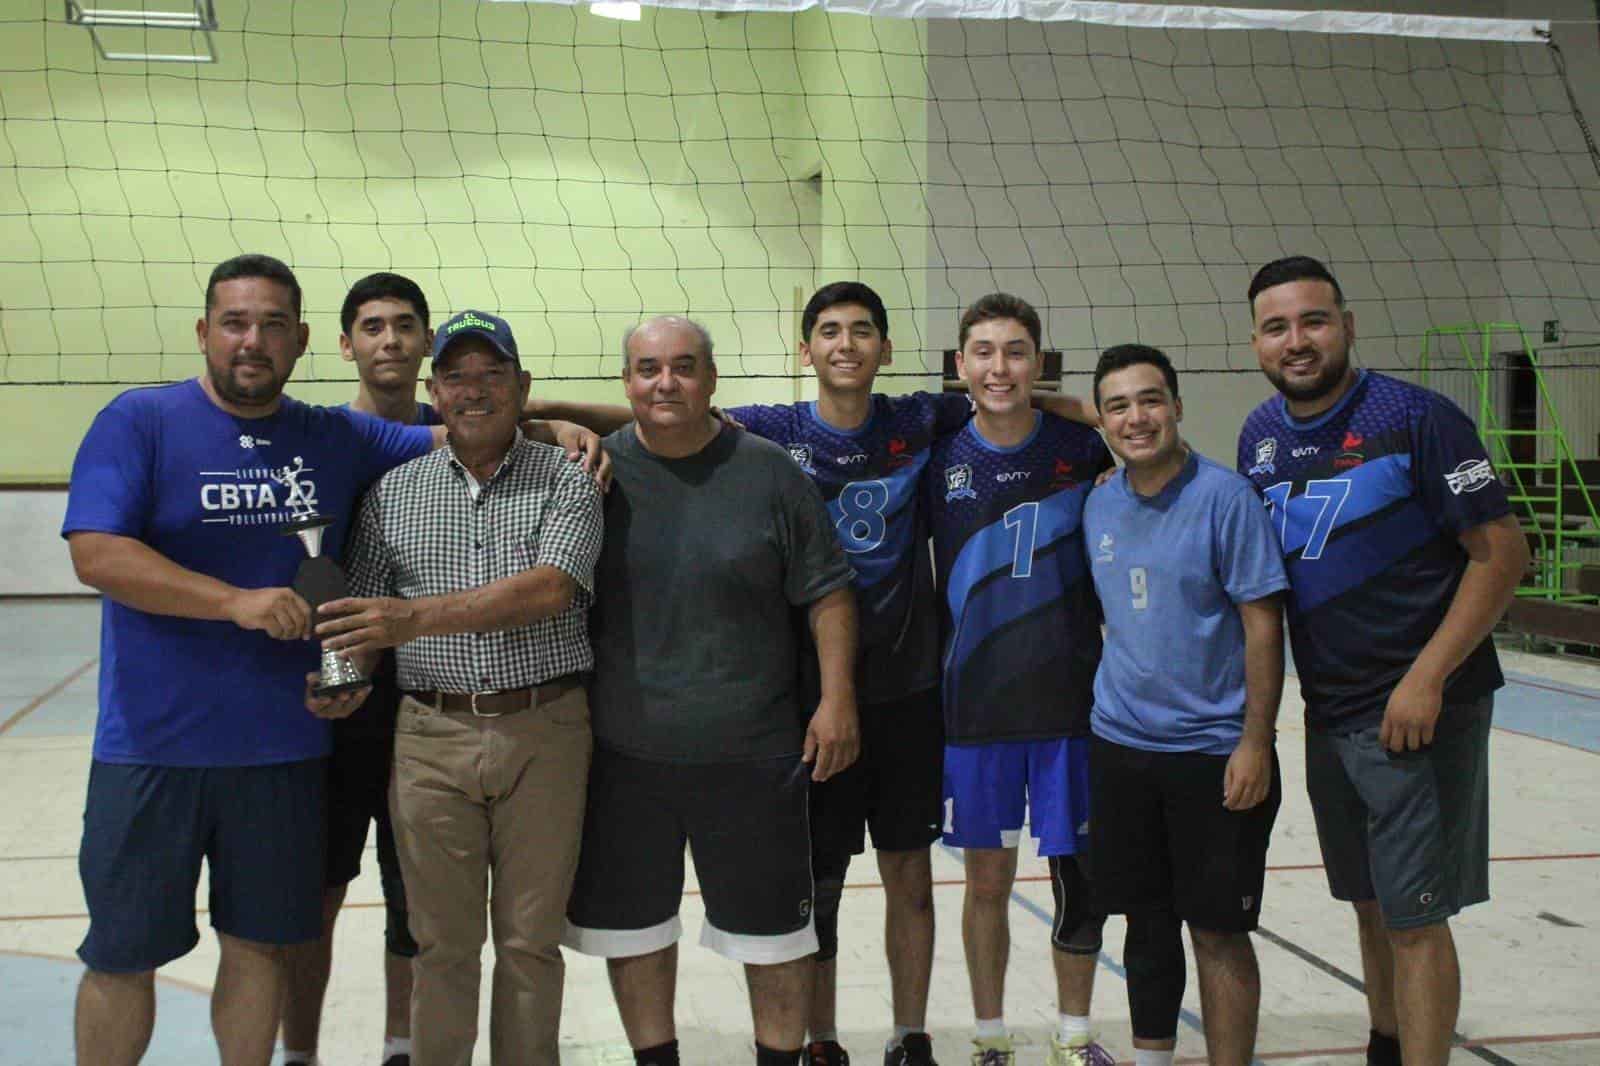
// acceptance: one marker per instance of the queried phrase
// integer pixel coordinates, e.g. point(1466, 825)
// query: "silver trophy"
point(319, 579)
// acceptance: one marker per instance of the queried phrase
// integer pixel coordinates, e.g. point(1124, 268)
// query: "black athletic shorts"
point(358, 795)
point(148, 829)
point(894, 788)
point(746, 825)
point(1161, 838)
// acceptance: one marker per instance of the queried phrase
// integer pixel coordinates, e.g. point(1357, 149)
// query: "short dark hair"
point(843, 292)
point(1293, 268)
point(254, 265)
point(382, 286)
point(1001, 305)
point(1122, 356)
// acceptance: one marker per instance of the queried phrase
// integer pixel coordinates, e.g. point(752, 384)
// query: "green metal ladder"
point(1538, 489)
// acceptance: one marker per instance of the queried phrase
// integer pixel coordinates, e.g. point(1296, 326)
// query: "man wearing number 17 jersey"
point(866, 453)
point(1401, 554)
point(1021, 644)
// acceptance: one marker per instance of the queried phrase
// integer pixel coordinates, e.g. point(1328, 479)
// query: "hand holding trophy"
point(319, 579)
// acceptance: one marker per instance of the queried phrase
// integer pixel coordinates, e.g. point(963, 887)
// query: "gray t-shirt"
point(708, 564)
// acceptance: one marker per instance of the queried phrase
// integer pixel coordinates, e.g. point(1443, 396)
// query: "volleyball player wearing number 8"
point(866, 453)
point(1022, 642)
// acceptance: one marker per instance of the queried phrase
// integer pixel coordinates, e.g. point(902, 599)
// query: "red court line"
point(45, 697)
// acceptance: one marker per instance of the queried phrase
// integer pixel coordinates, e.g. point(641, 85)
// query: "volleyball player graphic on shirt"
point(1021, 631)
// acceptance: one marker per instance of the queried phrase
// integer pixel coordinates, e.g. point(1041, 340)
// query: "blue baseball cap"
point(491, 328)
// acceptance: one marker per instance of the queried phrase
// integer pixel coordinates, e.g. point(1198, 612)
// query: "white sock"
point(300, 1058)
point(396, 1045)
point(992, 1028)
point(825, 1036)
point(1142, 1057)
point(1073, 1029)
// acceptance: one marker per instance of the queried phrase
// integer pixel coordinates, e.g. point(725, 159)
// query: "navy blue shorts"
point(991, 790)
point(146, 829)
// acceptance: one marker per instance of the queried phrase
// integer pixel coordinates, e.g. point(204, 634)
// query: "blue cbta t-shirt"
point(202, 487)
point(1170, 570)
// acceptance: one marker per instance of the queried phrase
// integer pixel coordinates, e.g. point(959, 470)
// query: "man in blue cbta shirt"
point(1401, 554)
point(1183, 778)
point(203, 748)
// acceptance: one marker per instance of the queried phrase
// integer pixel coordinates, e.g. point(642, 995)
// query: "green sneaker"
point(995, 1051)
point(1087, 1053)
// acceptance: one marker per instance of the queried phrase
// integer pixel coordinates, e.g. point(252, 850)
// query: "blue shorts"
point(989, 787)
point(146, 829)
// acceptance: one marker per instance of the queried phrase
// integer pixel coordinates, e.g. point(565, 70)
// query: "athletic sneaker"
point(914, 1049)
point(826, 1053)
point(397, 1060)
point(993, 1052)
point(1089, 1054)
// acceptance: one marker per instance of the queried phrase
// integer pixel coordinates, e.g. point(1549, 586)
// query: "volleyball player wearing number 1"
point(1022, 642)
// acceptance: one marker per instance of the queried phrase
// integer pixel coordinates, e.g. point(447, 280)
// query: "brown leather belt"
point(495, 704)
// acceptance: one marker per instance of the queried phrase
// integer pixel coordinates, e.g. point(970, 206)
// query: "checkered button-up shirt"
point(426, 529)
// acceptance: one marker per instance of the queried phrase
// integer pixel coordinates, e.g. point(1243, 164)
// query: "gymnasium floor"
point(1532, 994)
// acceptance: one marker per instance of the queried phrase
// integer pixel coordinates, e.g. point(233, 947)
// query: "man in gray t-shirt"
point(715, 543)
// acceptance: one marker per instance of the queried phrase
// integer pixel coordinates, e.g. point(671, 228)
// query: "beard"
point(1327, 380)
point(227, 384)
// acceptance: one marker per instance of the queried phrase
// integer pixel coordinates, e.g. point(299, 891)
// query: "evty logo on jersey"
point(1266, 452)
point(1470, 476)
point(958, 483)
point(247, 441)
point(1104, 549)
point(801, 453)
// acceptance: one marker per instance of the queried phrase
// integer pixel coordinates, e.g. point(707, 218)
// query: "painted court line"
point(45, 697)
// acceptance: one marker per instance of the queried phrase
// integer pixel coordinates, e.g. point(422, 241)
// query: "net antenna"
point(200, 18)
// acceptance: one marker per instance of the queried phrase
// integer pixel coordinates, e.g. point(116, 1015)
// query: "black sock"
point(1383, 1049)
point(766, 1056)
point(660, 1055)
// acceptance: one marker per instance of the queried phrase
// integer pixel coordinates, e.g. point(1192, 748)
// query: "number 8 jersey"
point(1368, 499)
point(1021, 625)
point(868, 477)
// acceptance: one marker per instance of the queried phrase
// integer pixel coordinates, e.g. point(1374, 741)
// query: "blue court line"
point(1535, 681)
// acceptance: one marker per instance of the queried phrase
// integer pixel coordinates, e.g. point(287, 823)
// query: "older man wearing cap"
point(476, 563)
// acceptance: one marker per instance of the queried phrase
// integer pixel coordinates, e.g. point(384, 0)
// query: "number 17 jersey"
point(1021, 624)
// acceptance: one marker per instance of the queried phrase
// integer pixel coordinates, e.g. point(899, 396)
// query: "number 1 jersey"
point(1021, 625)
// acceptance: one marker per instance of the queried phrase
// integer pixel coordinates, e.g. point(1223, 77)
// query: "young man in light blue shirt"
point(1184, 780)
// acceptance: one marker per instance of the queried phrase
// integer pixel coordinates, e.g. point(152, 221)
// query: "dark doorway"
point(1522, 406)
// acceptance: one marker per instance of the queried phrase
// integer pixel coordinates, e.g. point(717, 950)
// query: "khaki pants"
point(473, 797)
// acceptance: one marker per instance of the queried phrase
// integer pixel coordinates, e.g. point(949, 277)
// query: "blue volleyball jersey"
point(1021, 625)
point(868, 477)
point(1368, 499)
